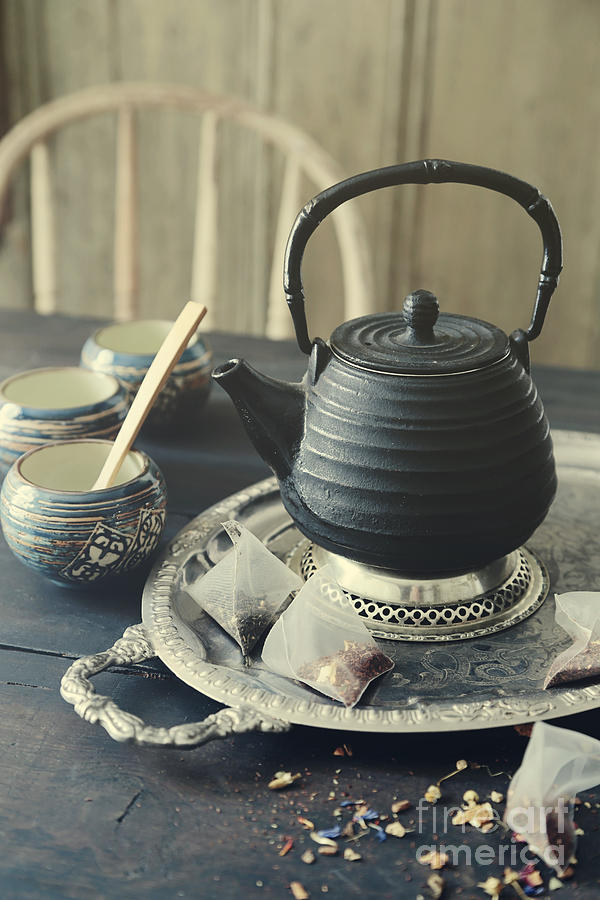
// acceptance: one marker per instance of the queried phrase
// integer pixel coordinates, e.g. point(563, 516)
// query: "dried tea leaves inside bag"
point(320, 640)
point(539, 806)
point(246, 588)
point(579, 614)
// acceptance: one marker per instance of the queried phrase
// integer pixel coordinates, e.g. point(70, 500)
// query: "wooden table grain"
point(82, 816)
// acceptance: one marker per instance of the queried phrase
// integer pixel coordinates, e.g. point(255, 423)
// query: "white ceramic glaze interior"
point(75, 466)
point(143, 337)
point(64, 388)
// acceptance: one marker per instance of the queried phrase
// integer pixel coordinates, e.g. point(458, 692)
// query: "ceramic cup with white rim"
point(126, 350)
point(55, 523)
point(59, 403)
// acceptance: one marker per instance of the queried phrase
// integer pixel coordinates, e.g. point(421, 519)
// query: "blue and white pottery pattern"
point(185, 391)
point(81, 537)
point(23, 427)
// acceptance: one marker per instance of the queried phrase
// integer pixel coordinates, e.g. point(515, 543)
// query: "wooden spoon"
point(162, 365)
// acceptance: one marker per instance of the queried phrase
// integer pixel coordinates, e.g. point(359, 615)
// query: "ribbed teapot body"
point(427, 475)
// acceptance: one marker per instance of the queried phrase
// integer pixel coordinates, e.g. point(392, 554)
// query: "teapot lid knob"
point(420, 310)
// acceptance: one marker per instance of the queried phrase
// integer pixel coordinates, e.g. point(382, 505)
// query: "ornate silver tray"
point(486, 681)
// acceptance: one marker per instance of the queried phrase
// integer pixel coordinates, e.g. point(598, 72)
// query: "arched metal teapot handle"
point(425, 171)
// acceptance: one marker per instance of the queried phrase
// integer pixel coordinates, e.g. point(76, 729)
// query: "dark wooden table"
point(82, 816)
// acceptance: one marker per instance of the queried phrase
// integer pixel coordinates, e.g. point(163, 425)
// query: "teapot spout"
point(271, 411)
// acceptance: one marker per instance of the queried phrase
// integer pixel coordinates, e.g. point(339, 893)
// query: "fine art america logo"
point(540, 833)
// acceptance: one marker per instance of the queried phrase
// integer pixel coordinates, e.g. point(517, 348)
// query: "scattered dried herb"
point(434, 859)
point(344, 750)
point(283, 779)
point(364, 813)
point(480, 815)
point(348, 671)
point(433, 794)
point(330, 832)
point(289, 843)
point(396, 829)
point(324, 841)
point(511, 878)
point(399, 806)
point(379, 832)
point(348, 830)
point(491, 886)
point(460, 765)
point(435, 883)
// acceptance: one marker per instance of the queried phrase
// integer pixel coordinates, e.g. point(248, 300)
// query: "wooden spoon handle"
point(162, 365)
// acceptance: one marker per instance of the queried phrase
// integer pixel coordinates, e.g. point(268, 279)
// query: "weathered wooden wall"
point(505, 83)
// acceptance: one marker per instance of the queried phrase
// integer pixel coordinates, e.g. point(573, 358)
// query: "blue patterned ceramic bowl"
point(127, 349)
point(57, 525)
point(57, 404)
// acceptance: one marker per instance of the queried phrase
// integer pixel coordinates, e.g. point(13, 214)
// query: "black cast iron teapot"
point(416, 441)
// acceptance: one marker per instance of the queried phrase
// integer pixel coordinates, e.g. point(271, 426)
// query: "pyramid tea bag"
point(320, 640)
point(579, 614)
point(246, 588)
point(539, 805)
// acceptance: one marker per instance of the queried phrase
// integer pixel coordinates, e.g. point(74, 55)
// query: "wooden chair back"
point(303, 157)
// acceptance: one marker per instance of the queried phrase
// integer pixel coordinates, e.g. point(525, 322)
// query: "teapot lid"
point(419, 341)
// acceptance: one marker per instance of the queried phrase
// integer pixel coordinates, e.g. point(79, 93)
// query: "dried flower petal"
point(510, 876)
point(555, 883)
point(434, 859)
point(298, 890)
point(476, 814)
point(365, 813)
point(344, 750)
point(308, 857)
point(348, 830)
point(283, 779)
point(289, 843)
point(330, 832)
point(433, 793)
point(327, 850)
point(400, 806)
point(351, 854)
point(396, 829)
point(435, 883)
point(379, 832)
point(306, 823)
point(324, 841)
point(491, 886)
